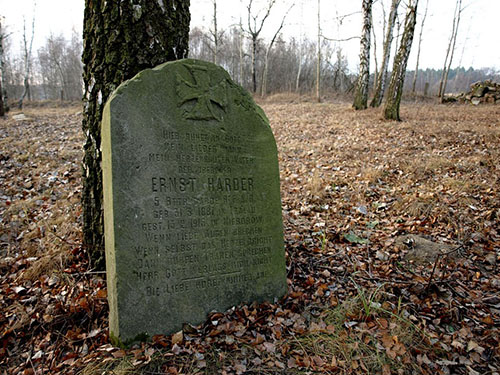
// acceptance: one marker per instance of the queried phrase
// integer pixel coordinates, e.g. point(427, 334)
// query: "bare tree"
point(382, 75)
point(395, 90)
point(451, 50)
point(414, 83)
point(27, 54)
point(2, 73)
point(375, 74)
point(254, 29)
point(268, 50)
point(361, 93)
point(299, 69)
point(240, 49)
point(318, 62)
point(60, 67)
point(301, 44)
point(215, 34)
point(2, 107)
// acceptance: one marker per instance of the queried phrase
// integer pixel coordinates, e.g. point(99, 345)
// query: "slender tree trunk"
point(454, 37)
point(318, 62)
point(241, 56)
point(380, 88)
point(395, 90)
point(361, 93)
point(414, 83)
point(299, 70)
point(27, 62)
point(240, 50)
point(263, 86)
point(254, 64)
point(398, 33)
point(2, 107)
point(120, 39)
point(254, 32)
point(449, 49)
point(3, 91)
point(263, 91)
point(3, 95)
point(375, 74)
point(216, 36)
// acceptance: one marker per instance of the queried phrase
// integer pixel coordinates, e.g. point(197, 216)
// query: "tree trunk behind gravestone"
point(120, 38)
point(395, 89)
point(254, 64)
point(361, 93)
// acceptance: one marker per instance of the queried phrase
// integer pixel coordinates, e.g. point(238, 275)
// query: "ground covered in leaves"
point(392, 238)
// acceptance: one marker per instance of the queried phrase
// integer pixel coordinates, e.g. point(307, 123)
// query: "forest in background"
point(56, 68)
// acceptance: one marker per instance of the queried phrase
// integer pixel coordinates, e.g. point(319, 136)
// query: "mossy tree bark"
point(395, 89)
point(361, 93)
point(120, 38)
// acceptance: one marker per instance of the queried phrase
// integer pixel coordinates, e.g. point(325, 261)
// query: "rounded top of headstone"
point(201, 90)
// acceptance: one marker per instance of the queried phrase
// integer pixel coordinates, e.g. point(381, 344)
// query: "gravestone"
point(192, 203)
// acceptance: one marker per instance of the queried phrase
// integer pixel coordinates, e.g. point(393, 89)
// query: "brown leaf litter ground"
point(392, 237)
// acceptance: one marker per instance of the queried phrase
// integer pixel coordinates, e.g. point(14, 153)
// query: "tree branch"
point(340, 40)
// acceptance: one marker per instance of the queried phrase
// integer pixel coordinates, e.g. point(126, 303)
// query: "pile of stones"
point(480, 92)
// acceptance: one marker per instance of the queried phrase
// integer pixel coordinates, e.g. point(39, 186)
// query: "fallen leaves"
point(352, 185)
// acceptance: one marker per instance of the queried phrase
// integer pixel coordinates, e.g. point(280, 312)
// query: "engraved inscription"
point(203, 222)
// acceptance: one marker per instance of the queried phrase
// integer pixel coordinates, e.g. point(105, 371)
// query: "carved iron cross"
point(211, 100)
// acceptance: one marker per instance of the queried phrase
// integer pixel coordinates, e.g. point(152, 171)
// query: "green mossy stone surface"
point(192, 200)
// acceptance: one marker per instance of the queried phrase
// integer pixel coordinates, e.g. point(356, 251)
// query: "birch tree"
point(361, 91)
point(2, 73)
point(382, 75)
point(28, 61)
point(240, 49)
point(215, 34)
point(268, 50)
point(414, 83)
point(375, 74)
point(254, 28)
point(318, 61)
point(2, 107)
point(59, 63)
point(301, 48)
point(145, 34)
point(450, 50)
point(395, 89)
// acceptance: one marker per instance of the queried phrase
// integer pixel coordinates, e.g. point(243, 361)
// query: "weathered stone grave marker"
point(192, 200)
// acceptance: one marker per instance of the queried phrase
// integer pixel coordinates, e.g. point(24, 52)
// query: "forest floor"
point(392, 235)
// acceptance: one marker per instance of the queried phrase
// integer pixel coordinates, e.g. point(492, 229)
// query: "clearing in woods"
point(392, 239)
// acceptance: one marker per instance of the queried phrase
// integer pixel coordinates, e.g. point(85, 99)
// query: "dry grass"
point(380, 342)
point(436, 173)
point(439, 157)
point(39, 190)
